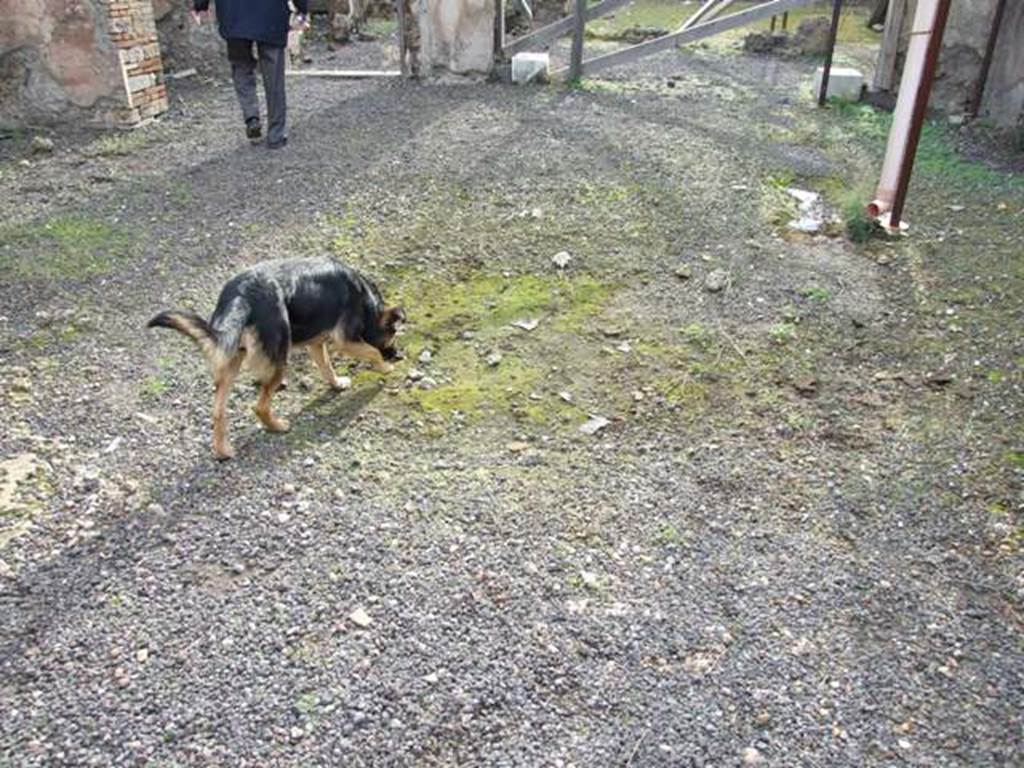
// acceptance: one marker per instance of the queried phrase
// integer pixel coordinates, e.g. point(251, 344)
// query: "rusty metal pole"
point(986, 63)
point(402, 50)
point(579, 24)
point(833, 33)
point(924, 92)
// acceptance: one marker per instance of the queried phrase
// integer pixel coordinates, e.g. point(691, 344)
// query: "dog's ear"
point(392, 317)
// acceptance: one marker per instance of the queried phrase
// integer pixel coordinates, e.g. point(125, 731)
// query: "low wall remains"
point(65, 60)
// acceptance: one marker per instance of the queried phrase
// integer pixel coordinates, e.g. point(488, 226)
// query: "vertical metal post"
point(931, 63)
point(986, 63)
point(499, 29)
point(785, 20)
point(402, 52)
point(773, 24)
point(579, 24)
point(837, 6)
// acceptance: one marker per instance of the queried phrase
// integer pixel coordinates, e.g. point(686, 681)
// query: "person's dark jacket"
point(265, 21)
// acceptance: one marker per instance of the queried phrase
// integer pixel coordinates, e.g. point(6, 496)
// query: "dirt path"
point(796, 541)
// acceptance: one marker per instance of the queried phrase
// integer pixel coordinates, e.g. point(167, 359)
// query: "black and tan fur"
point(276, 305)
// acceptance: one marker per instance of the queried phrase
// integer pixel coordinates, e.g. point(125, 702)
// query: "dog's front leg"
point(360, 350)
point(321, 357)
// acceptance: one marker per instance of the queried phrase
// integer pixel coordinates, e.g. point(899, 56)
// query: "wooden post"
point(885, 69)
point(763, 11)
point(579, 25)
point(541, 38)
point(785, 20)
point(837, 6)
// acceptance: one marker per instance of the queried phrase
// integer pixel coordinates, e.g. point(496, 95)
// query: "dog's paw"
point(223, 452)
point(279, 425)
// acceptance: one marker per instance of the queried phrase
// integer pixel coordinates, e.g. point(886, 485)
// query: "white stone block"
point(139, 82)
point(843, 83)
point(526, 67)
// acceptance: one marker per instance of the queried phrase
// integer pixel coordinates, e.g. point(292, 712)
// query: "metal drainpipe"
point(911, 106)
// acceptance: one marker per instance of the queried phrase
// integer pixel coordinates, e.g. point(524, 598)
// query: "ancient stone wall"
point(67, 60)
point(456, 35)
point(963, 47)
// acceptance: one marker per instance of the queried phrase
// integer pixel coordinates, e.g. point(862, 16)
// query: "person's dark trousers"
point(243, 73)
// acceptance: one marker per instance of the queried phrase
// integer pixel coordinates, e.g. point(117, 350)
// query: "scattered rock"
point(939, 378)
point(806, 386)
point(426, 356)
point(594, 425)
point(751, 756)
point(526, 325)
point(41, 145)
point(684, 271)
point(765, 42)
point(142, 655)
point(415, 374)
point(518, 446)
point(590, 580)
point(360, 618)
point(699, 663)
point(343, 383)
point(811, 37)
point(494, 359)
point(566, 396)
point(427, 382)
point(611, 331)
point(716, 281)
point(561, 259)
point(762, 719)
point(638, 34)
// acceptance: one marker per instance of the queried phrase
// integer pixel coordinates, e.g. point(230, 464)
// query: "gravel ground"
point(796, 541)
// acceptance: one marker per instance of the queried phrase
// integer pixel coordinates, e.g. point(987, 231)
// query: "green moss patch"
point(466, 321)
point(64, 247)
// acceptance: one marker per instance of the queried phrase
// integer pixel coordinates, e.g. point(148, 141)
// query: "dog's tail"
point(190, 324)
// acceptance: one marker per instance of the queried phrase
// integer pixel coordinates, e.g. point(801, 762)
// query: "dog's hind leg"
point(318, 351)
point(262, 407)
point(224, 377)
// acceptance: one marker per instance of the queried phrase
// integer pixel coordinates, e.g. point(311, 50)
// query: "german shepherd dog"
point(266, 310)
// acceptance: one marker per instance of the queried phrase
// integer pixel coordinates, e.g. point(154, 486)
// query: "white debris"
point(594, 425)
point(561, 259)
point(360, 618)
point(812, 211)
point(526, 325)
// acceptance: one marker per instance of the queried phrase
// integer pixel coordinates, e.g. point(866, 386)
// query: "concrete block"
point(843, 83)
point(527, 67)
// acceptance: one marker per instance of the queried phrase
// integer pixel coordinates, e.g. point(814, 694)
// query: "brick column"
point(133, 32)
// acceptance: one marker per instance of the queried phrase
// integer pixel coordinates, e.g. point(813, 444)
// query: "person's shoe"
point(277, 144)
point(253, 129)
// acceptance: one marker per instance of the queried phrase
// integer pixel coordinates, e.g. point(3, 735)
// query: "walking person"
point(263, 25)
